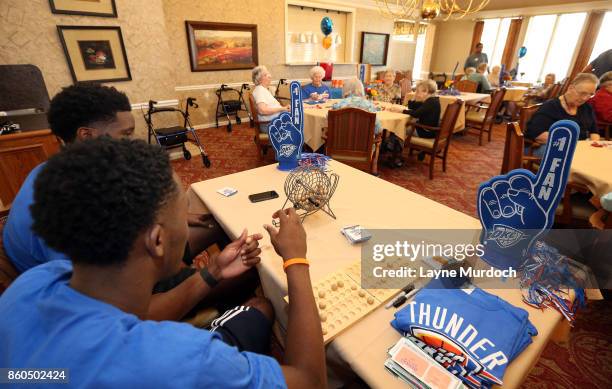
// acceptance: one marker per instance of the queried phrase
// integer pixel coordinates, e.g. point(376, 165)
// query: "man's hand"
point(200, 220)
point(289, 240)
point(237, 257)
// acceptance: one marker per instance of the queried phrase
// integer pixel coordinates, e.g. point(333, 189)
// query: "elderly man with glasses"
point(570, 106)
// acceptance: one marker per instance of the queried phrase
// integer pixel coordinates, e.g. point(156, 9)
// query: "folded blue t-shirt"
point(45, 323)
point(473, 334)
point(23, 247)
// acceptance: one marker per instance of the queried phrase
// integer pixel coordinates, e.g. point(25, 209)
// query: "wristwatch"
point(208, 278)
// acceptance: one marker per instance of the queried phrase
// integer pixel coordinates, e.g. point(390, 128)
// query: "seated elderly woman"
point(353, 87)
point(540, 93)
point(316, 90)
point(353, 92)
point(570, 106)
point(602, 101)
point(468, 71)
point(388, 91)
point(494, 76)
point(480, 78)
point(267, 106)
point(425, 107)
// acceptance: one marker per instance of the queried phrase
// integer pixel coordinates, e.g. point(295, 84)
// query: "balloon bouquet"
point(326, 28)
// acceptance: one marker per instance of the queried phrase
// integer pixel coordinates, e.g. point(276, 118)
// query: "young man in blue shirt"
point(115, 208)
point(87, 111)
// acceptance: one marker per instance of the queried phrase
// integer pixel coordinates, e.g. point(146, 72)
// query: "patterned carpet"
point(586, 361)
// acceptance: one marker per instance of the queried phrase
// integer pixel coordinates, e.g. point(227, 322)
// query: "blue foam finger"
point(287, 133)
point(509, 237)
point(506, 206)
point(555, 166)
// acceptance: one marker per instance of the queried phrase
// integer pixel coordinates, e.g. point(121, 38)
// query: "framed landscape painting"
point(104, 8)
point(221, 46)
point(374, 47)
point(95, 53)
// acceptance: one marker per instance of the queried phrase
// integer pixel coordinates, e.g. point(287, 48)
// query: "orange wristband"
point(295, 261)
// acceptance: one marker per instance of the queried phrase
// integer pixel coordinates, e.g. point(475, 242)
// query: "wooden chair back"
point(448, 122)
point(405, 87)
point(554, 91)
point(513, 148)
point(350, 136)
point(399, 76)
point(253, 108)
point(526, 113)
point(564, 86)
point(497, 97)
point(466, 86)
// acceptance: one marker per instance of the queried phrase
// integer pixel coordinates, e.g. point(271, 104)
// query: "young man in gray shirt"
point(476, 58)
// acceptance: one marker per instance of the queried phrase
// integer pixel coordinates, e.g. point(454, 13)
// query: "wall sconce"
point(338, 40)
point(315, 38)
point(302, 38)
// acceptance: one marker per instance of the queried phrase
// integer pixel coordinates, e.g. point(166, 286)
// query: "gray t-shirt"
point(475, 59)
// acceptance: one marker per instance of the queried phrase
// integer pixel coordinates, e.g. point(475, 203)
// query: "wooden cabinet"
point(19, 154)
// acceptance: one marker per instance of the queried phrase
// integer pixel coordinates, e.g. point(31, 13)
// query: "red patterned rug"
point(586, 361)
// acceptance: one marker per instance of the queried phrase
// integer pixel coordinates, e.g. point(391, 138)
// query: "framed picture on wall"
point(221, 46)
point(104, 8)
point(95, 53)
point(374, 48)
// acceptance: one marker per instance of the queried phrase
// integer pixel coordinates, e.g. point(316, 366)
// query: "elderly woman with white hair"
point(316, 90)
point(389, 91)
point(267, 106)
point(569, 106)
point(425, 107)
point(353, 87)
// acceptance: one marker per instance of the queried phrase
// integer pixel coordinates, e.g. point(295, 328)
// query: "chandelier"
point(429, 9)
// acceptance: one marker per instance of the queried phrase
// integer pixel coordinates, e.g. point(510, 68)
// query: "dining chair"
point(435, 147)
point(351, 138)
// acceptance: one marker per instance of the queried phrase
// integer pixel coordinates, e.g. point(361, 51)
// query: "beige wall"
point(452, 44)
point(306, 20)
point(28, 34)
point(156, 45)
point(401, 54)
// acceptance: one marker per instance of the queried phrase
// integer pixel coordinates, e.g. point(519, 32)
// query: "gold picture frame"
point(221, 46)
point(104, 8)
point(95, 53)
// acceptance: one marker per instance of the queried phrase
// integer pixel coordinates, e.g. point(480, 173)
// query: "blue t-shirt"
point(22, 245)
point(307, 90)
point(473, 334)
point(44, 323)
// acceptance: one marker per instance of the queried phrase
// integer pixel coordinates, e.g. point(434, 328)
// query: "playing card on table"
point(227, 191)
point(356, 233)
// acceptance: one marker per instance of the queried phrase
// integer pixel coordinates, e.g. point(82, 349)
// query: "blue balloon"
point(326, 26)
point(522, 51)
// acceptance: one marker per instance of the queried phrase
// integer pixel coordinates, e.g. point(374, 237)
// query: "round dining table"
point(592, 166)
point(315, 119)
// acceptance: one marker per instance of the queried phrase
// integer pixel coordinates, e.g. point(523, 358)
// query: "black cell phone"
point(263, 196)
